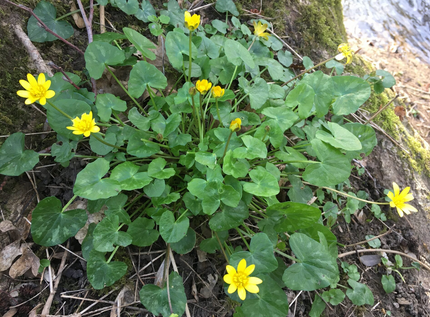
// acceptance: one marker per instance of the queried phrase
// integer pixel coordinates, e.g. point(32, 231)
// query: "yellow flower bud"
point(203, 86)
point(191, 22)
point(218, 92)
point(259, 30)
point(235, 125)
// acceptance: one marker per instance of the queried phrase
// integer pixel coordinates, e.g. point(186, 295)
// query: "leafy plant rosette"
point(235, 128)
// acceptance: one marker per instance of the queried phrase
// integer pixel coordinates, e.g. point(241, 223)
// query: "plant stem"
point(189, 68)
point(125, 90)
point(350, 196)
point(106, 143)
point(59, 110)
point(68, 203)
point(226, 146)
point(217, 111)
point(307, 71)
point(243, 238)
point(150, 92)
point(162, 145)
point(222, 248)
point(198, 118)
point(287, 256)
point(113, 253)
point(119, 120)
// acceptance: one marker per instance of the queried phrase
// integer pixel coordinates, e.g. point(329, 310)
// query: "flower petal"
point(242, 266)
point(41, 79)
point(400, 212)
point(25, 84)
point(23, 93)
point(50, 94)
point(242, 293)
point(42, 101)
point(249, 270)
point(31, 80)
point(407, 207)
point(254, 280)
point(230, 270)
point(228, 278)
point(396, 189)
point(252, 288)
point(232, 288)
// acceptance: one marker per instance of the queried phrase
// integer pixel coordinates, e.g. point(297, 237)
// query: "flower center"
point(85, 125)
point(398, 201)
point(38, 91)
point(240, 280)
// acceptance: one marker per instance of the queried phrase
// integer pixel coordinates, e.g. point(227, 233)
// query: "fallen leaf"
point(28, 261)
point(370, 260)
point(6, 226)
point(8, 254)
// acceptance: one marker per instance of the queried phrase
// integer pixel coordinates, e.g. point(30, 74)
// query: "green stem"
point(182, 215)
point(350, 196)
point(287, 256)
point(243, 238)
point(73, 12)
point(217, 112)
point(69, 202)
point(150, 92)
point(59, 110)
point(226, 146)
point(119, 120)
point(240, 100)
point(189, 68)
point(198, 118)
point(307, 71)
point(113, 253)
point(125, 90)
point(222, 248)
point(232, 77)
point(162, 145)
point(106, 143)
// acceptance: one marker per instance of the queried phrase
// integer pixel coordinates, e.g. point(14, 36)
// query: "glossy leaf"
point(263, 183)
point(91, 185)
point(105, 103)
point(290, 216)
point(226, 6)
point(360, 294)
point(229, 217)
point(140, 42)
point(350, 93)
point(237, 53)
point(315, 269)
point(156, 169)
point(50, 226)
point(99, 54)
point(177, 45)
point(172, 230)
point(186, 244)
point(323, 88)
point(102, 274)
point(333, 296)
point(14, 160)
point(303, 97)
point(142, 232)
point(107, 236)
point(388, 283)
point(340, 137)
point(144, 74)
point(128, 176)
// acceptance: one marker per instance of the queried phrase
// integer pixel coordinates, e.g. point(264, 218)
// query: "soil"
point(202, 273)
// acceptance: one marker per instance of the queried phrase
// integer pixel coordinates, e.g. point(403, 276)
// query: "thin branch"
point(43, 25)
point(365, 241)
point(380, 110)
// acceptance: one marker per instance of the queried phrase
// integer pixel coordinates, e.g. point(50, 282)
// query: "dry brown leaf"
point(10, 312)
point(76, 16)
point(206, 291)
point(6, 226)
point(28, 261)
point(8, 254)
point(124, 297)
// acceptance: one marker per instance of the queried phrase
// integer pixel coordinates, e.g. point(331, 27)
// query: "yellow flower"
point(399, 199)
point(218, 92)
point(259, 30)
point(85, 125)
point(240, 280)
point(35, 90)
point(235, 125)
point(345, 51)
point(191, 22)
point(203, 86)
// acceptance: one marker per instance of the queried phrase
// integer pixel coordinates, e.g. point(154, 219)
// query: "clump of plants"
point(235, 129)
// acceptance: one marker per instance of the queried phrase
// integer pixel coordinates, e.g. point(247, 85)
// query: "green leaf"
point(235, 167)
point(260, 253)
point(226, 6)
point(375, 244)
point(254, 149)
point(156, 188)
point(283, 116)
point(360, 294)
point(101, 148)
point(158, 301)
point(365, 134)
point(229, 217)
point(276, 70)
point(50, 226)
point(140, 42)
point(291, 216)
point(388, 283)
point(303, 97)
point(107, 235)
point(314, 232)
point(102, 274)
point(156, 169)
point(99, 54)
point(141, 122)
point(105, 103)
point(144, 74)
point(139, 148)
point(146, 11)
point(220, 26)
point(318, 307)
point(271, 301)
point(339, 67)
point(263, 183)
point(128, 6)
point(176, 45)
point(59, 123)
point(186, 244)
point(332, 169)
point(334, 296)
point(90, 184)
point(236, 54)
point(48, 14)
point(307, 62)
point(315, 269)
point(258, 92)
point(108, 37)
point(323, 88)
point(340, 137)
point(142, 232)
point(64, 152)
point(285, 57)
point(128, 176)
point(207, 159)
point(14, 160)
point(388, 80)
point(173, 231)
point(350, 93)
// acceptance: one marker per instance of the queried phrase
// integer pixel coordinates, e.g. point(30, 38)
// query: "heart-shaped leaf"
point(229, 217)
point(350, 93)
point(340, 137)
point(140, 42)
point(142, 232)
point(263, 183)
point(142, 75)
point(100, 54)
point(128, 176)
point(102, 274)
point(237, 53)
point(14, 160)
point(105, 103)
point(186, 244)
point(156, 169)
point(90, 184)
point(50, 226)
point(173, 231)
point(106, 235)
point(176, 45)
point(291, 216)
point(360, 294)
